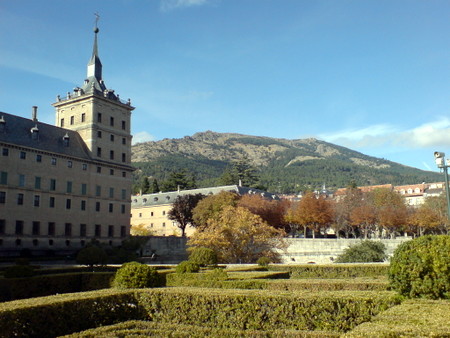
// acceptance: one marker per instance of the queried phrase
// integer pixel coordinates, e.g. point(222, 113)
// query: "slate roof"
point(161, 198)
point(16, 130)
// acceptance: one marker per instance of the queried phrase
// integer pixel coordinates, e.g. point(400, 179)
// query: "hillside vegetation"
point(283, 165)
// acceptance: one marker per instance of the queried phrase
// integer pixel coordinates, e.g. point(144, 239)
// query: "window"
point(2, 226)
point(111, 154)
point(99, 133)
point(52, 184)
point(111, 137)
point(99, 170)
point(72, 120)
point(37, 200)
point(83, 117)
point(53, 161)
point(51, 202)
point(21, 180)
point(124, 194)
point(82, 230)
point(23, 155)
point(5, 152)
point(111, 172)
point(68, 229)
point(68, 203)
point(164, 224)
point(122, 208)
point(164, 212)
point(140, 214)
point(84, 166)
point(151, 213)
point(99, 152)
point(69, 164)
point(83, 205)
point(2, 197)
point(111, 207)
point(124, 174)
point(124, 125)
point(98, 230)
point(110, 230)
point(19, 227)
point(37, 182)
point(97, 206)
point(98, 190)
point(38, 158)
point(19, 199)
point(62, 123)
point(111, 192)
point(124, 157)
point(51, 228)
point(83, 188)
point(69, 187)
point(124, 140)
point(111, 121)
point(99, 117)
point(123, 231)
point(36, 230)
point(3, 177)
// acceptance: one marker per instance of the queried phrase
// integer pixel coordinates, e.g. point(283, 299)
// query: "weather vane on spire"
point(97, 17)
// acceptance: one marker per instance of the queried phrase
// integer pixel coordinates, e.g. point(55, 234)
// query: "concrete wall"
point(323, 250)
point(165, 249)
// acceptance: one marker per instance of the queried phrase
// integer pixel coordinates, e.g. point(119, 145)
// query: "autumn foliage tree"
point(182, 211)
point(211, 207)
point(238, 236)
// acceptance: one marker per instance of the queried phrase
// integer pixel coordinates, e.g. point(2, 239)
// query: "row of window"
point(111, 154)
point(51, 242)
point(69, 186)
point(152, 214)
point(52, 202)
point(84, 166)
point(99, 120)
point(49, 229)
point(111, 137)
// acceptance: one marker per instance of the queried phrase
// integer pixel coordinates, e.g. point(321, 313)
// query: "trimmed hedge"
point(341, 270)
point(151, 329)
point(413, 318)
point(45, 285)
point(230, 309)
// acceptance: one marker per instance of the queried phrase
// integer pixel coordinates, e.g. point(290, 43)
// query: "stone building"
point(63, 185)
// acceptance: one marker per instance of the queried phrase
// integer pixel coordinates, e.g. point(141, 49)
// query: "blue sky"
point(371, 75)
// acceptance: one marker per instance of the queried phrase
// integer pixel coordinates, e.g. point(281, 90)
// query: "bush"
point(92, 255)
point(187, 267)
point(203, 256)
point(421, 267)
point(365, 252)
point(263, 261)
point(136, 275)
point(19, 271)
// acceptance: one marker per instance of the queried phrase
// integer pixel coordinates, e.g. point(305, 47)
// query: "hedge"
point(413, 318)
point(230, 309)
point(341, 270)
point(151, 329)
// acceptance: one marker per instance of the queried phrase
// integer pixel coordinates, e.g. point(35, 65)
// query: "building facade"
point(62, 186)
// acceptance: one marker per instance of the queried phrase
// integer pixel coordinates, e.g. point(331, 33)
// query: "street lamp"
point(443, 164)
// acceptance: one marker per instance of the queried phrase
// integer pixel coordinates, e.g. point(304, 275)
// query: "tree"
point(140, 230)
point(210, 207)
point(241, 171)
point(91, 255)
point(145, 185)
point(365, 218)
point(343, 209)
point(430, 217)
point(179, 180)
point(364, 252)
point(238, 236)
point(182, 210)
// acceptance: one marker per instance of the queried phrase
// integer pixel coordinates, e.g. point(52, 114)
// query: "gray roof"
point(161, 198)
point(17, 131)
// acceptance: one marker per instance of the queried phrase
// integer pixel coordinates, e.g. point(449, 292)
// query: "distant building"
point(151, 210)
point(63, 185)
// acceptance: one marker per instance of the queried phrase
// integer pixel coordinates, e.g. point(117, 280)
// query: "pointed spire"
point(95, 66)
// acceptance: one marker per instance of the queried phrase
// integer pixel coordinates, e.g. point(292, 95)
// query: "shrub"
point(92, 255)
point(263, 261)
point(187, 267)
point(365, 252)
point(203, 256)
point(421, 267)
point(19, 271)
point(136, 275)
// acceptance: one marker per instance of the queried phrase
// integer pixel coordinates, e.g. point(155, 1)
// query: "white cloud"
point(168, 5)
point(142, 136)
point(432, 134)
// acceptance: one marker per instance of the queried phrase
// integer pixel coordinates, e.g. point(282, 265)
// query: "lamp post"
point(443, 164)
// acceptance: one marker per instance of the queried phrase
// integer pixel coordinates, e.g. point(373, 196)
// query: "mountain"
point(283, 165)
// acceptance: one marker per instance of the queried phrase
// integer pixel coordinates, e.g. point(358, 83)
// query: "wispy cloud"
point(142, 136)
point(434, 133)
point(169, 5)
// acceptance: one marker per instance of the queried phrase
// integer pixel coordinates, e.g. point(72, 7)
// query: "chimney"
point(34, 114)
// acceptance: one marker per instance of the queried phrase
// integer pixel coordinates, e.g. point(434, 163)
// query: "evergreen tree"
point(179, 180)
